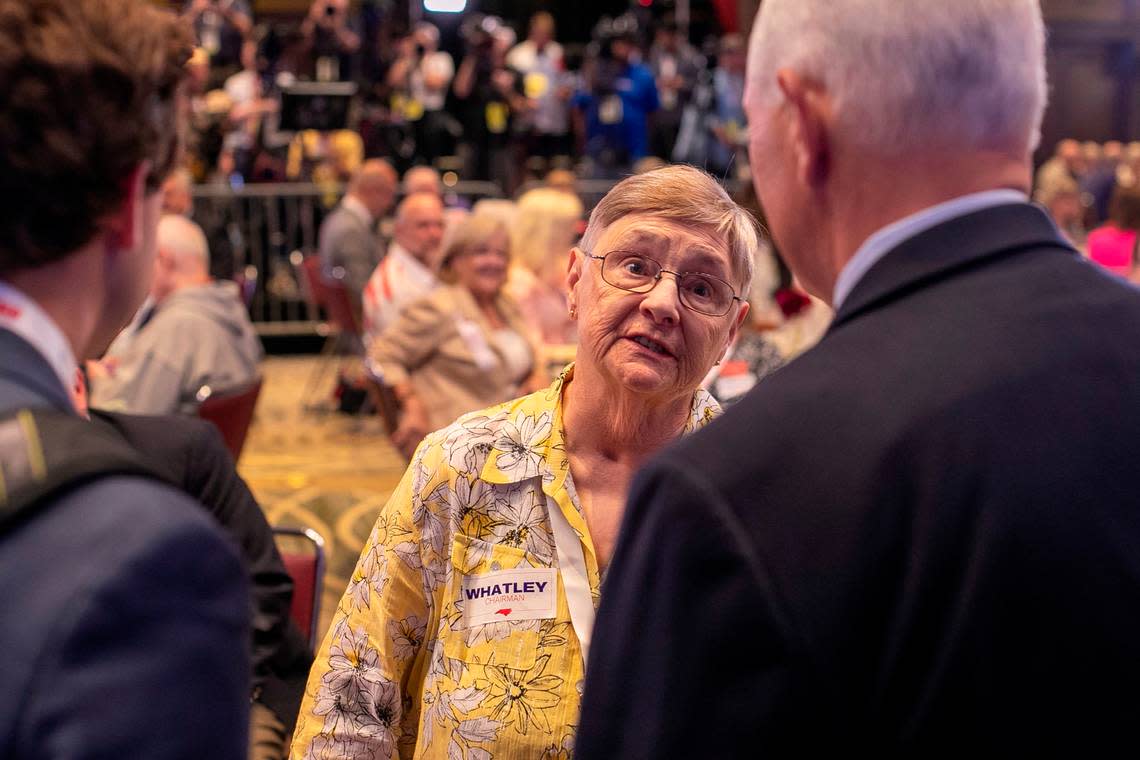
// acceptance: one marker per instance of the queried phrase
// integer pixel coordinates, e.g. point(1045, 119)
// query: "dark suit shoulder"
point(177, 444)
point(122, 586)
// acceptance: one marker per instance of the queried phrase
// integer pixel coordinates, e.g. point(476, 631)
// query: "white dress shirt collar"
point(888, 238)
point(23, 316)
point(412, 267)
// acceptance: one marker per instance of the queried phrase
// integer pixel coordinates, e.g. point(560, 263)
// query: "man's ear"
point(809, 114)
point(123, 225)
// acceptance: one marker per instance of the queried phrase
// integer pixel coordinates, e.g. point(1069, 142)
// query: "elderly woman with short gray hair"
point(466, 627)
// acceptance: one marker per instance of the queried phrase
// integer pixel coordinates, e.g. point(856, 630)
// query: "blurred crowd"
point(500, 100)
point(1092, 192)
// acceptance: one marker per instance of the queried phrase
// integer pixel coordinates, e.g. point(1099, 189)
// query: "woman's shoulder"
point(465, 445)
point(443, 299)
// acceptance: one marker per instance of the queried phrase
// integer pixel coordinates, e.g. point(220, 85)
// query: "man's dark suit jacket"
point(123, 631)
point(922, 537)
point(192, 455)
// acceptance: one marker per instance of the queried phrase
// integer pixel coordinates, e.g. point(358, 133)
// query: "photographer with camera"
point(676, 67)
point(619, 97)
point(220, 28)
point(490, 93)
point(545, 126)
point(420, 78)
point(332, 37)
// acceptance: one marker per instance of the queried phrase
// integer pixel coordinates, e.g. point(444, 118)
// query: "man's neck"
point(74, 310)
point(879, 191)
point(186, 282)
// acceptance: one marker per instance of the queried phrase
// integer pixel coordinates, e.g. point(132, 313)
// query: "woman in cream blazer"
point(464, 346)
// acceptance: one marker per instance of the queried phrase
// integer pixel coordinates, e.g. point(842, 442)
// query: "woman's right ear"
point(574, 268)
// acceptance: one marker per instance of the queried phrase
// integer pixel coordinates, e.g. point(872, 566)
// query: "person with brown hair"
point(125, 607)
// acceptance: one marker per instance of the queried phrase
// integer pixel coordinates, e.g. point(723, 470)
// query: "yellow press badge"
point(398, 103)
point(496, 114)
point(535, 85)
point(520, 594)
point(413, 110)
point(609, 110)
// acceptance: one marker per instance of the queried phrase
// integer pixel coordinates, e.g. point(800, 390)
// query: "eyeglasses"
point(637, 273)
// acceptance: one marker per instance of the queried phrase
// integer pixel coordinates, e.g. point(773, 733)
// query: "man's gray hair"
point(687, 196)
point(184, 241)
point(915, 74)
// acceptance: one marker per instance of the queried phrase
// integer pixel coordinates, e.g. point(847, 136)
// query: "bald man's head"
point(419, 226)
point(374, 185)
point(422, 179)
point(183, 258)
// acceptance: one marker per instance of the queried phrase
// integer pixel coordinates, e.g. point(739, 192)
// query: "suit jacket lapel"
point(961, 242)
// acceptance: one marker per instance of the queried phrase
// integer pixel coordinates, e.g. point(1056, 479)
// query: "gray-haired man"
point(920, 538)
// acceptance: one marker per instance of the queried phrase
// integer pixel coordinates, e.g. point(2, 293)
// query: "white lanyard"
point(576, 581)
point(24, 317)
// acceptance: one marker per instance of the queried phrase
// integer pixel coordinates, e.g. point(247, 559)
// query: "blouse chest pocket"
point(497, 602)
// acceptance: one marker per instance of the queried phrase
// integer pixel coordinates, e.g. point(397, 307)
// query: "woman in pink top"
point(1113, 245)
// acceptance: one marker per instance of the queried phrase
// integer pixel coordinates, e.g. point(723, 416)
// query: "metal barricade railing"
point(264, 224)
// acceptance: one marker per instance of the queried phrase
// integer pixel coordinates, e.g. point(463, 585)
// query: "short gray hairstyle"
point(184, 241)
point(685, 195)
point(928, 74)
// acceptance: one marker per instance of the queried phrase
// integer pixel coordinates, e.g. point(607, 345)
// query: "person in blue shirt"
point(620, 96)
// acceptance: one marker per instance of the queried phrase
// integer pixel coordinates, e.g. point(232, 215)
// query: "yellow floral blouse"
point(398, 675)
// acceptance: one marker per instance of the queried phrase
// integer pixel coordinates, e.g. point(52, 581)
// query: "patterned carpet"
point(318, 469)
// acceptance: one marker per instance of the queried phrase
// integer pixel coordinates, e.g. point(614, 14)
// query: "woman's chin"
point(641, 379)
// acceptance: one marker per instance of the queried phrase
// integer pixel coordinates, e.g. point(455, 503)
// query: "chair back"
point(313, 280)
point(231, 412)
point(338, 306)
point(383, 396)
point(303, 554)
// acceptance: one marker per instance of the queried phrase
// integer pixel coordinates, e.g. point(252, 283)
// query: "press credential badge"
point(521, 594)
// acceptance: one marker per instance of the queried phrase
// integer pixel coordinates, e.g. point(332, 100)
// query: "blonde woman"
point(545, 227)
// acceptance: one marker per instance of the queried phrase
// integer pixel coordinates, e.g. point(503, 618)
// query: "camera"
point(609, 30)
point(478, 32)
point(605, 69)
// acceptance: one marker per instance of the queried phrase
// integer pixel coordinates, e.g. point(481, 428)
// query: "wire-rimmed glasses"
point(638, 273)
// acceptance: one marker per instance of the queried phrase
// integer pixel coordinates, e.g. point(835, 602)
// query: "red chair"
point(344, 334)
point(230, 411)
point(307, 569)
point(312, 280)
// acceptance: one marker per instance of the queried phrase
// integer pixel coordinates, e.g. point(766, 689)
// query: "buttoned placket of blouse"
point(557, 485)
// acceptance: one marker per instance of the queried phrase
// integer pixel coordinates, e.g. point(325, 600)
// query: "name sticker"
point(522, 594)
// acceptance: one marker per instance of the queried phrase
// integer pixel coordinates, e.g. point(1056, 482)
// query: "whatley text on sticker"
point(498, 589)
